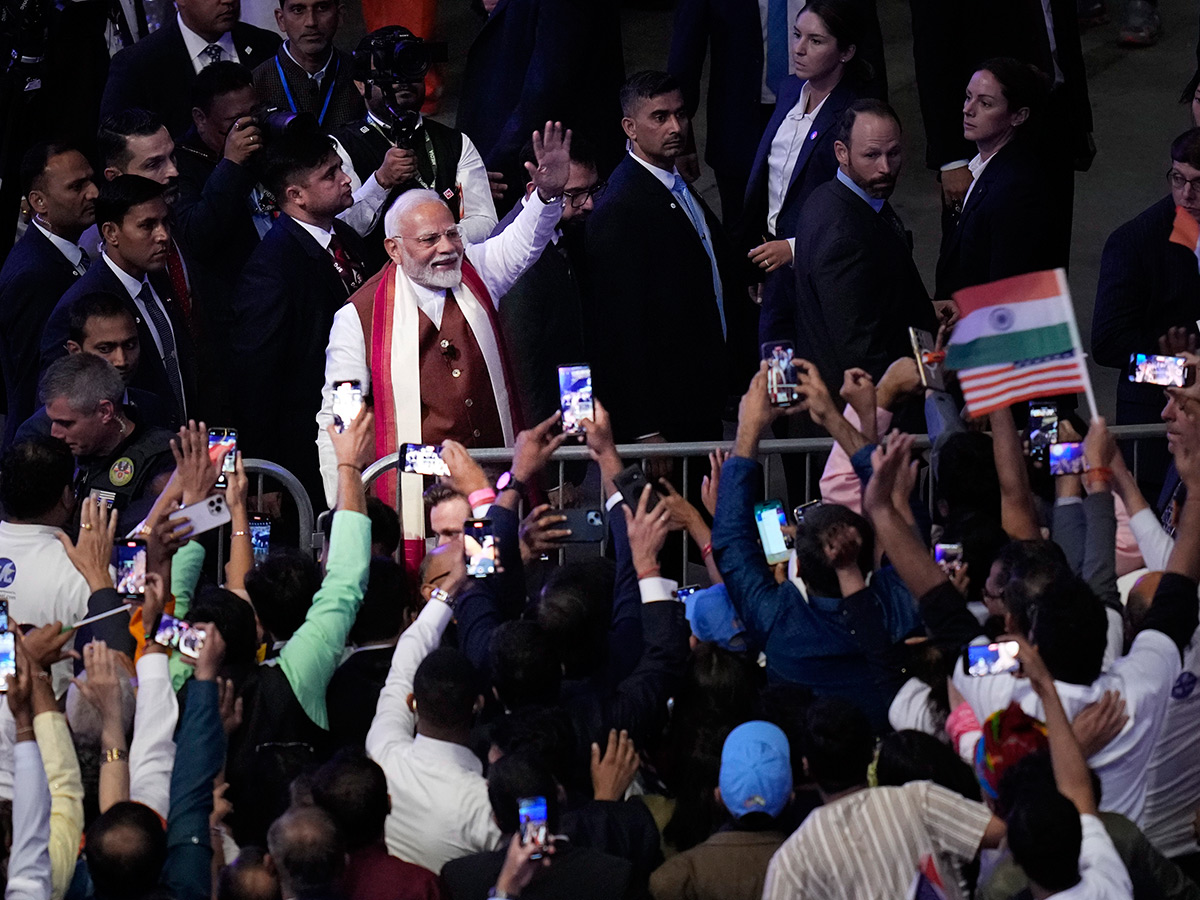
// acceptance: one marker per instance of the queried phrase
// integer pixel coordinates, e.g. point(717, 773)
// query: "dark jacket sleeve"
point(625, 631)
point(113, 630)
point(1174, 611)
point(689, 46)
point(482, 607)
point(205, 214)
point(947, 618)
point(187, 872)
point(1120, 322)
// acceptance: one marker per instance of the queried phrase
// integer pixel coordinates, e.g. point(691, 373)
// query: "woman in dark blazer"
point(1005, 226)
point(796, 151)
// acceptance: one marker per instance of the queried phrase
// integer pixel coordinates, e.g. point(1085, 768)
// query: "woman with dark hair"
point(1005, 224)
point(796, 151)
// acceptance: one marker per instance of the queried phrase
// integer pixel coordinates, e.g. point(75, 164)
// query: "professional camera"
point(276, 123)
point(388, 58)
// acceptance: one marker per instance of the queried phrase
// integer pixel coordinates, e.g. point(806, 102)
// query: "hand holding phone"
point(1066, 458)
point(479, 547)
point(575, 397)
point(131, 569)
point(991, 659)
point(347, 403)
point(531, 812)
point(176, 634)
point(425, 459)
point(223, 439)
point(771, 520)
point(781, 376)
point(949, 557)
point(1165, 371)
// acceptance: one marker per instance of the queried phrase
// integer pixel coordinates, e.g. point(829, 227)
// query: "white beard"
point(434, 279)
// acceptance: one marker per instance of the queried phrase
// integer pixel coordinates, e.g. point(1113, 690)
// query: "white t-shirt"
point(37, 577)
point(1102, 875)
point(1143, 677)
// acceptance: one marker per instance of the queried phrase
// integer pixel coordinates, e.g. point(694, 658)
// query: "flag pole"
point(1073, 328)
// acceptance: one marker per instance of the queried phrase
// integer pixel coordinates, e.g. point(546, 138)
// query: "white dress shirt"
point(134, 287)
point(196, 45)
point(440, 806)
point(152, 751)
point(29, 869)
point(73, 252)
point(319, 234)
point(976, 165)
point(795, 7)
point(785, 150)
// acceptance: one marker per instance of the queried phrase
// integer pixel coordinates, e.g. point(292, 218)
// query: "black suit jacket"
point(1147, 284)
point(1005, 226)
point(34, 278)
point(652, 326)
point(151, 375)
point(857, 288)
point(157, 74)
point(576, 872)
point(282, 311)
point(536, 60)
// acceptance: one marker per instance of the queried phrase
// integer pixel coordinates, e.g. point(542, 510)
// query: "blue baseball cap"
point(756, 770)
point(713, 619)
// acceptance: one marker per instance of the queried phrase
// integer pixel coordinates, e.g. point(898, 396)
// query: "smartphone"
point(575, 396)
point(586, 525)
point(218, 440)
point(206, 515)
point(531, 812)
point(685, 591)
point(1066, 458)
point(929, 359)
point(770, 519)
point(347, 403)
point(131, 568)
point(781, 377)
point(479, 545)
point(424, 459)
point(949, 557)
point(991, 659)
point(804, 509)
point(260, 537)
point(3, 615)
point(631, 482)
point(8, 657)
point(1168, 371)
point(177, 634)
point(1043, 430)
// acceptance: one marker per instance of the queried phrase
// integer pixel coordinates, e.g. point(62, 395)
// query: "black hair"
point(810, 547)
point(353, 790)
point(218, 79)
point(1186, 148)
point(445, 688)
point(966, 479)
point(837, 744)
point(575, 609)
point(644, 86)
point(93, 305)
point(291, 157)
point(117, 197)
point(513, 777)
point(35, 161)
point(906, 756)
point(282, 587)
point(1023, 84)
point(544, 733)
point(125, 848)
point(1032, 563)
point(983, 539)
point(381, 615)
point(846, 25)
point(865, 107)
point(524, 666)
point(1067, 624)
point(117, 129)
point(307, 850)
point(1045, 835)
point(234, 618)
point(1189, 89)
point(33, 475)
point(385, 525)
point(247, 877)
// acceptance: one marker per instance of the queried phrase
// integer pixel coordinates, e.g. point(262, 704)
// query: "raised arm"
point(29, 872)
point(152, 750)
point(102, 689)
point(1018, 516)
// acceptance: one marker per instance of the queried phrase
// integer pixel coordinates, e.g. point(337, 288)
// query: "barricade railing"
point(258, 471)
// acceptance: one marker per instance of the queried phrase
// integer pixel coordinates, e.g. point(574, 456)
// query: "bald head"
point(441, 567)
point(307, 851)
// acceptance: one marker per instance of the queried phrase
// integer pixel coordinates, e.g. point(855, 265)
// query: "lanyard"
point(331, 77)
point(433, 165)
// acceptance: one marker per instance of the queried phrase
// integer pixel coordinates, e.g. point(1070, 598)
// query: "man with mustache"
point(857, 288)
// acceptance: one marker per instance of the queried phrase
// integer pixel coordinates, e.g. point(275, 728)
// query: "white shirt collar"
point(320, 235)
point(317, 76)
point(380, 124)
point(131, 284)
point(667, 178)
point(196, 44)
point(797, 111)
point(978, 164)
point(71, 251)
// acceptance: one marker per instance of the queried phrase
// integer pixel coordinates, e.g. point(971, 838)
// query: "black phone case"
point(586, 525)
point(631, 482)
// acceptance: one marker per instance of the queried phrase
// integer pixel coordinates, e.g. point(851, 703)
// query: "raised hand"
point(355, 444)
point(466, 476)
point(858, 389)
point(102, 687)
point(710, 482)
point(196, 470)
point(1177, 341)
point(44, 645)
point(647, 531)
point(613, 773)
point(539, 532)
point(534, 447)
point(552, 150)
point(92, 551)
point(886, 462)
point(683, 513)
point(598, 432)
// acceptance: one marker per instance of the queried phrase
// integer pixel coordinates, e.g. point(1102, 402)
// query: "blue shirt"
point(876, 204)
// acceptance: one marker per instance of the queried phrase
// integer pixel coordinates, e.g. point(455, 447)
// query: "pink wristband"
point(960, 721)
point(480, 497)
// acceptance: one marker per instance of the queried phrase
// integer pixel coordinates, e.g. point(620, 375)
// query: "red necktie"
point(348, 268)
point(179, 285)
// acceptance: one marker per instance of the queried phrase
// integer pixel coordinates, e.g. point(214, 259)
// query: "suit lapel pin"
point(812, 135)
point(247, 51)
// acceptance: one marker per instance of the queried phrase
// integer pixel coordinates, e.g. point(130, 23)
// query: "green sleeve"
point(312, 654)
point(185, 574)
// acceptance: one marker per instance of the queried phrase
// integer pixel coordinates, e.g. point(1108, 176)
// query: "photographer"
point(389, 71)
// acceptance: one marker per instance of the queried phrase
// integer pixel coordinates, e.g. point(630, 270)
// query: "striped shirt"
point(868, 845)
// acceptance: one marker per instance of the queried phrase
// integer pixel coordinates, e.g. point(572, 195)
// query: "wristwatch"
point(508, 482)
point(496, 894)
point(442, 596)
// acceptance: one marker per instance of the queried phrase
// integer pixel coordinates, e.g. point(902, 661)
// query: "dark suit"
point(659, 359)
point(151, 375)
point(576, 872)
point(35, 276)
point(1147, 284)
point(536, 60)
point(1005, 226)
point(157, 73)
point(815, 165)
point(282, 312)
point(857, 288)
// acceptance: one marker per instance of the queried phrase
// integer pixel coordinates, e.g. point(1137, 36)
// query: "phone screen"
point(1066, 459)
point(8, 657)
point(1043, 430)
point(781, 377)
point(479, 545)
point(219, 439)
point(770, 519)
point(991, 659)
point(424, 459)
point(3, 615)
point(949, 557)
point(1168, 371)
point(531, 812)
point(575, 396)
point(179, 635)
point(260, 537)
point(347, 403)
point(131, 568)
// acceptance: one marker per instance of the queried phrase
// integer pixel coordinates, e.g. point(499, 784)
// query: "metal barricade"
point(258, 470)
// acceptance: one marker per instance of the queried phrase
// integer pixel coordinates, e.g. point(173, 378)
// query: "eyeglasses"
point(453, 234)
point(580, 197)
point(1178, 182)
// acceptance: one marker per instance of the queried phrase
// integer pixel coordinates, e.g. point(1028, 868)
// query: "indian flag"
point(1016, 340)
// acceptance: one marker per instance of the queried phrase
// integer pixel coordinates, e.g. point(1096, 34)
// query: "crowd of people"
point(954, 671)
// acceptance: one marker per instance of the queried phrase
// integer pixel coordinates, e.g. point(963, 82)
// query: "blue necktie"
point(170, 358)
point(680, 190)
point(777, 43)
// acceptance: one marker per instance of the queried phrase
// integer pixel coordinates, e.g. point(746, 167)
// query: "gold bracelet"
point(116, 754)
